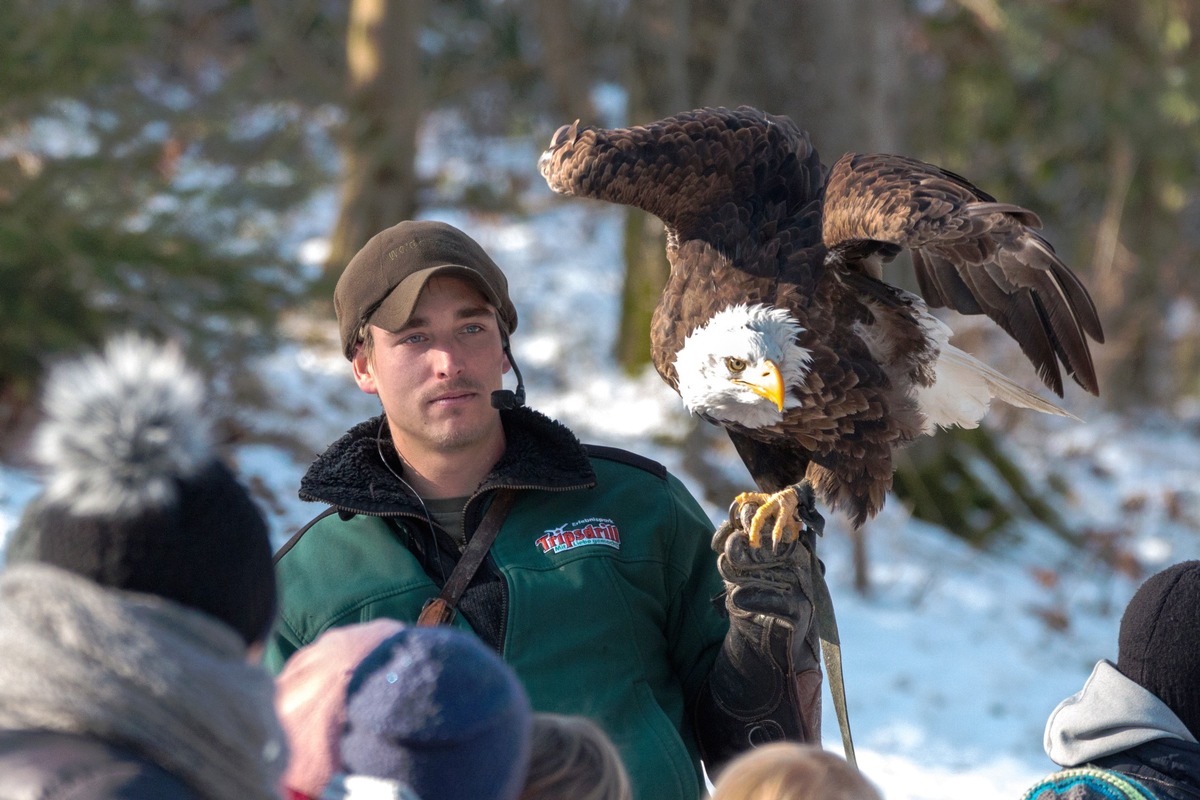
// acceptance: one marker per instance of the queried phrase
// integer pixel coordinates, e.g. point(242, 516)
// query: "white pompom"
point(122, 427)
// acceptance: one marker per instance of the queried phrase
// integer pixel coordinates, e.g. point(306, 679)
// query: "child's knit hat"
point(436, 711)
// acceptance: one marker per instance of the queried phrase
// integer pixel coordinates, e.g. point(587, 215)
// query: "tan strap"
point(826, 622)
point(440, 610)
point(831, 650)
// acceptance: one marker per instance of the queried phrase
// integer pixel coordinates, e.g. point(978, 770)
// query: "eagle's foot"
point(789, 512)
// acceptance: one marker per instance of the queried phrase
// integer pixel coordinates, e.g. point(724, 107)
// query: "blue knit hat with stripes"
point(1088, 783)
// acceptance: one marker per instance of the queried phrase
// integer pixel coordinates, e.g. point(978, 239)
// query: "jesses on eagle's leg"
point(786, 511)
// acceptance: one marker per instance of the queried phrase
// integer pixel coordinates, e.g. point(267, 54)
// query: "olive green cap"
point(382, 283)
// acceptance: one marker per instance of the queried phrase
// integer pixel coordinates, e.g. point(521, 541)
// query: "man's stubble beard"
point(453, 433)
point(460, 437)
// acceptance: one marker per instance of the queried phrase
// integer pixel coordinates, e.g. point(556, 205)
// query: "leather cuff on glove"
point(765, 683)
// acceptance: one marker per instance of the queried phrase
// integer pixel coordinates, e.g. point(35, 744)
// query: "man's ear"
point(364, 375)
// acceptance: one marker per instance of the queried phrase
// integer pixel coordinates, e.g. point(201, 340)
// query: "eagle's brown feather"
point(753, 217)
point(971, 253)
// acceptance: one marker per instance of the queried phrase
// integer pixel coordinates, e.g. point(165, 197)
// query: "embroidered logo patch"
point(577, 534)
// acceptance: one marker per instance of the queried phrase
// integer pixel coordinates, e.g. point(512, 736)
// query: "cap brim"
point(396, 309)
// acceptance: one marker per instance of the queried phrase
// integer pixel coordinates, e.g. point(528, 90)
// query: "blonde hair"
point(790, 771)
point(571, 757)
point(366, 342)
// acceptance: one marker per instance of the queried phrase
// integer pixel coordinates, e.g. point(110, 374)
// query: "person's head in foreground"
point(310, 698)
point(790, 771)
point(433, 714)
point(137, 585)
point(571, 757)
point(1158, 646)
point(1135, 723)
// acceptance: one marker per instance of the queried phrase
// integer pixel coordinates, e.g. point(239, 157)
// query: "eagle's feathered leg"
point(787, 511)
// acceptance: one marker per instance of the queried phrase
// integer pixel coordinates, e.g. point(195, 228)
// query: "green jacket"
point(604, 568)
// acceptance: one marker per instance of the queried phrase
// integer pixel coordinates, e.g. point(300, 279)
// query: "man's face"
point(435, 376)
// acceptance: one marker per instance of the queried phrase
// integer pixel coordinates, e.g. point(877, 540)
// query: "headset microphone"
point(505, 399)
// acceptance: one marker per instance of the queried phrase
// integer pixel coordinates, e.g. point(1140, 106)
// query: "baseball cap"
point(382, 283)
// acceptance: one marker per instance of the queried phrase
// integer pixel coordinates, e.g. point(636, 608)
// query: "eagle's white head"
point(739, 366)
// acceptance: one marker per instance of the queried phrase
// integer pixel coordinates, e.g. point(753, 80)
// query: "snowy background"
point(955, 657)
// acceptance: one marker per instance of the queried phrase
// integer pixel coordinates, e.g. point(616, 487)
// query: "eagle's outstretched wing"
point(971, 254)
point(726, 176)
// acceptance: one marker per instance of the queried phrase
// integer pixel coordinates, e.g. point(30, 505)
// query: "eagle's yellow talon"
point(778, 510)
point(749, 497)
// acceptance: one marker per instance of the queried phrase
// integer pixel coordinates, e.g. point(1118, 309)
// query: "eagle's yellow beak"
point(768, 383)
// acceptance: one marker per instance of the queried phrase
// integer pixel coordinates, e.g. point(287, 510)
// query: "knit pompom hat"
point(435, 710)
point(135, 496)
point(1087, 783)
point(1158, 646)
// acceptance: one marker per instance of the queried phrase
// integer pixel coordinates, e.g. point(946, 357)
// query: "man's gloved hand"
point(765, 582)
point(765, 684)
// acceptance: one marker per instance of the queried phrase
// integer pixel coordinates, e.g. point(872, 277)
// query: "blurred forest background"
point(155, 155)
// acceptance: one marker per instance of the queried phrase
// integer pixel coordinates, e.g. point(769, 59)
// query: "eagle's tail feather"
point(965, 387)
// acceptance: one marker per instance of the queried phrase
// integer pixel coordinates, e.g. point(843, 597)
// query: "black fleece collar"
point(540, 454)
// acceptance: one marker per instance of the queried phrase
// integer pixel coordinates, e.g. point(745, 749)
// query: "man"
point(1135, 723)
point(598, 588)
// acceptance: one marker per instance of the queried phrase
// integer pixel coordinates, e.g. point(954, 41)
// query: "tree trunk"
point(384, 109)
point(855, 99)
point(858, 93)
point(659, 35)
point(563, 60)
point(646, 272)
point(726, 53)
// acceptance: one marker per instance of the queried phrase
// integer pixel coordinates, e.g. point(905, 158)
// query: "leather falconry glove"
point(765, 684)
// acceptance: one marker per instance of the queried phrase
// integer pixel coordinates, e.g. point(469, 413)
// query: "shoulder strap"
point(441, 609)
point(281, 552)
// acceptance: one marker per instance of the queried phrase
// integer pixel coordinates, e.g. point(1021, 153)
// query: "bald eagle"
point(776, 323)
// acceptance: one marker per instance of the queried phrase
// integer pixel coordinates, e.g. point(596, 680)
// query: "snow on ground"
point(955, 657)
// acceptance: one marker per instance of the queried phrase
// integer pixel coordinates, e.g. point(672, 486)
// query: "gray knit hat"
point(135, 496)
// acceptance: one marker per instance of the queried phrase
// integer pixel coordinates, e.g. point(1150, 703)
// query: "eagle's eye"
point(735, 365)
